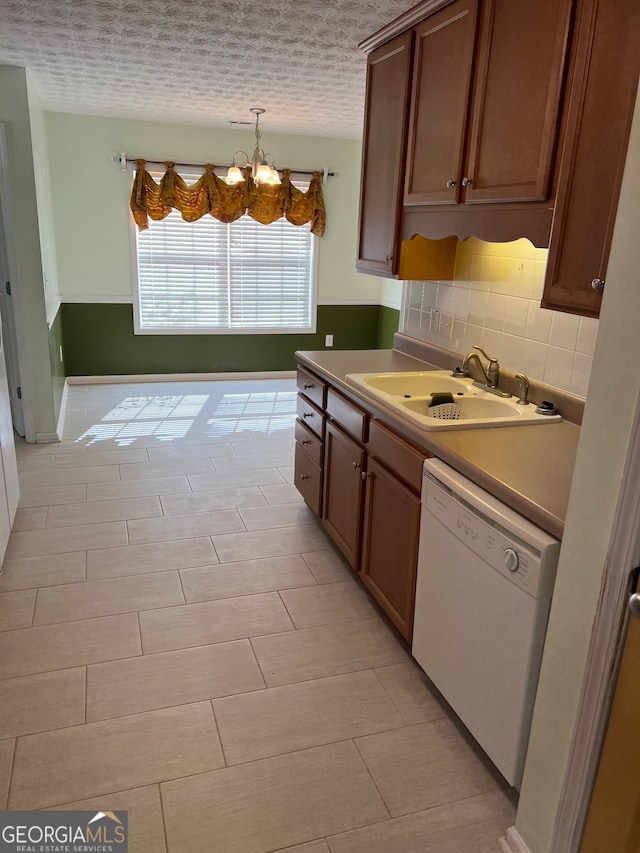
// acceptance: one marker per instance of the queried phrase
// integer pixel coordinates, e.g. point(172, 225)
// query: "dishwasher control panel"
point(503, 550)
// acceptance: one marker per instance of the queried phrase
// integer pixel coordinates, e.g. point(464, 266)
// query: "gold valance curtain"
point(210, 194)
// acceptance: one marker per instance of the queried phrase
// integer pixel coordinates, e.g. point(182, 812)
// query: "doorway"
point(613, 820)
point(8, 296)
point(9, 341)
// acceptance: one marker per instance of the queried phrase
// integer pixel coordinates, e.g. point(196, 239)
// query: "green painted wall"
point(388, 322)
point(99, 341)
point(58, 372)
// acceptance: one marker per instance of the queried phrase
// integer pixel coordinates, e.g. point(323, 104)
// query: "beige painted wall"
point(391, 293)
point(615, 387)
point(33, 331)
point(42, 175)
point(90, 196)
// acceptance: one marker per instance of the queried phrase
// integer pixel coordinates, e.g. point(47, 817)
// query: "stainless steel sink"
point(410, 395)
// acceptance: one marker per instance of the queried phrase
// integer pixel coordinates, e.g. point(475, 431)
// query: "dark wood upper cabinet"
point(519, 123)
point(599, 116)
point(443, 62)
point(383, 156)
point(502, 148)
point(521, 60)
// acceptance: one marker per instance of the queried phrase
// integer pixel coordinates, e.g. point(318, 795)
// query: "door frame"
point(16, 295)
point(607, 638)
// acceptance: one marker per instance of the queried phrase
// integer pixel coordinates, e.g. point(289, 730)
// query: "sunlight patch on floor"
point(173, 416)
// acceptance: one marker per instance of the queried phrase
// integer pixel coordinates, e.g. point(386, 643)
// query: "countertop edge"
point(517, 500)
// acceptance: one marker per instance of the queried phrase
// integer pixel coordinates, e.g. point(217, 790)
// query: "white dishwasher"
point(484, 587)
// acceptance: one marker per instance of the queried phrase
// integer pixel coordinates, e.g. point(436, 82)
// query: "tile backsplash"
point(494, 301)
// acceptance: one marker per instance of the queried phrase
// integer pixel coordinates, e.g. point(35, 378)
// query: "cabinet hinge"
point(19, 392)
point(7, 287)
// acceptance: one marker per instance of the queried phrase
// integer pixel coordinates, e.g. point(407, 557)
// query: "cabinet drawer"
point(309, 442)
point(350, 417)
point(312, 387)
point(308, 480)
point(310, 415)
point(396, 455)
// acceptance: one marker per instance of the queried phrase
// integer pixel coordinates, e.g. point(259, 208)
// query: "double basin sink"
point(411, 395)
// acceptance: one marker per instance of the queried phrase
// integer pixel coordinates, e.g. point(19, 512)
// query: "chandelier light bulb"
point(234, 175)
point(263, 174)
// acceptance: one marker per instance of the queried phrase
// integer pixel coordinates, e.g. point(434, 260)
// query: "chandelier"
point(262, 171)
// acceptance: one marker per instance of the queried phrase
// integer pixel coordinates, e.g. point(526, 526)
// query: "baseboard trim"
point(128, 378)
point(47, 437)
point(63, 410)
point(512, 842)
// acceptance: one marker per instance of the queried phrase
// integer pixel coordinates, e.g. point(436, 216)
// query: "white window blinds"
point(209, 277)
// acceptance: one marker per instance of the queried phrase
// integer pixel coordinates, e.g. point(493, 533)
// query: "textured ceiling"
point(199, 61)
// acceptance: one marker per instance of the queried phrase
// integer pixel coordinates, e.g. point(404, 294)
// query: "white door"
point(9, 487)
point(9, 336)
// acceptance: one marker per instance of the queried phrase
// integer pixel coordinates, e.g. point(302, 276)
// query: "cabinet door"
point(521, 58)
point(343, 488)
point(383, 156)
point(443, 61)
point(308, 480)
point(599, 120)
point(390, 546)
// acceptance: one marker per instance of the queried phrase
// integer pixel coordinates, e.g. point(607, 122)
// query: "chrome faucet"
point(491, 375)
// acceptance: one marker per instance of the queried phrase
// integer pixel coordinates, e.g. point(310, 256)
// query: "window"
point(208, 277)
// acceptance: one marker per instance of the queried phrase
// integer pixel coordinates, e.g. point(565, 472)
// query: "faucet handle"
point(493, 371)
point(488, 357)
point(524, 389)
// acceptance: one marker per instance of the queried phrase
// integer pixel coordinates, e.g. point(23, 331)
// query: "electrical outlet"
point(328, 340)
point(445, 325)
point(434, 317)
point(61, 356)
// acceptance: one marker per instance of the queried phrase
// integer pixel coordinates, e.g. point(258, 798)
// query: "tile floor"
point(179, 638)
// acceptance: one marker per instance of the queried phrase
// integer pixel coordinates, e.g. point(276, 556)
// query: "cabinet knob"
point(466, 182)
point(307, 414)
point(307, 385)
point(365, 475)
point(355, 465)
point(597, 284)
point(304, 476)
point(305, 441)
point(388, 258)
point(451, 184)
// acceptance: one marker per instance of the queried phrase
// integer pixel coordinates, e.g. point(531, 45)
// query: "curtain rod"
point(123, 160)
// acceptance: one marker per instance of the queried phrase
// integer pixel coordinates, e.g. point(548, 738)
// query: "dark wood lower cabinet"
point(363, 482)
point(390, 545)
point(343, 491)
point(308, 480)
